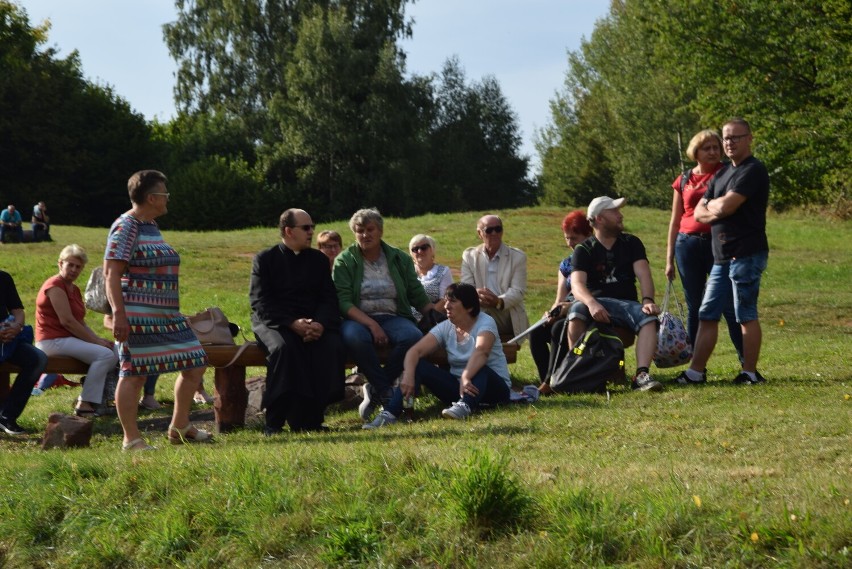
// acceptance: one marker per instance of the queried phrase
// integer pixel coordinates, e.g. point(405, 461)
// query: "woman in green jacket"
point(376, 287)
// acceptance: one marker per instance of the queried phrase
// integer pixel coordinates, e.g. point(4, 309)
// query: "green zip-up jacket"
point(348, 273)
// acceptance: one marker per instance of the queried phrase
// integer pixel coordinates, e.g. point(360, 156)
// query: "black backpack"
point(597, 358)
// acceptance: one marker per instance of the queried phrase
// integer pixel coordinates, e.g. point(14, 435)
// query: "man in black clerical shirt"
point(296, 320)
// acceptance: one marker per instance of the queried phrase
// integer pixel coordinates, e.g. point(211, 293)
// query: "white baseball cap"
point(602, 203)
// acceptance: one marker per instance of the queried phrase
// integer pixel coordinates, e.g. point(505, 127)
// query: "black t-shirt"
point(609, 273)
point(742, 233)
point(9, 299)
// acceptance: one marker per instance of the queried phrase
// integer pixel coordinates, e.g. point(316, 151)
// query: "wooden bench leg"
point(231, 398)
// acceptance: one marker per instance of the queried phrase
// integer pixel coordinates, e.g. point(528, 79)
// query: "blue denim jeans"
point(445, 386)
point(737, 281)
point(694, 256)
point(622, 313)
point(402, 334)
point(32, 362)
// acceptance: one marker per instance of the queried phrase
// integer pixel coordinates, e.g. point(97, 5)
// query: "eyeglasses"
point(305, 227)
point(493, 229)
point(329, 245)
point(734, 138)
point(418, 248)
point(167, 194)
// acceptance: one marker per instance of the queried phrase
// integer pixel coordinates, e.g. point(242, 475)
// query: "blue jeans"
point(694, 256)
point(32, 362)
point(18, 231)
point(445, 386)
point(737, 281)
point(622, 313)
point(402, 334)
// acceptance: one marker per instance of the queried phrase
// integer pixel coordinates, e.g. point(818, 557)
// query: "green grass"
point(706, 476)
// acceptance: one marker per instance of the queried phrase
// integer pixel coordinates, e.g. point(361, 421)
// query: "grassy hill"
point(708, 476)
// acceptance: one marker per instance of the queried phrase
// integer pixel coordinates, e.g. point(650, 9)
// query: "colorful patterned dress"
point(160, 340)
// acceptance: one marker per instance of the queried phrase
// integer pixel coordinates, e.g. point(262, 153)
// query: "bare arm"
point(484, 342)
point(425, 346)
point(646, 286)
point(581, 292)
point(59, 301)
point(112, 277)
point(14, 328)
point(674, 225)
point(712, 210)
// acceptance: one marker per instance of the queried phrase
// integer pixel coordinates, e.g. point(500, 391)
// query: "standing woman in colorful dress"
point(689, 240)
point(141, 273)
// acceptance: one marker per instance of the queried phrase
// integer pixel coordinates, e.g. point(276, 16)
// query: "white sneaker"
point(458, 410)
point(369, 404)
point(382, 419)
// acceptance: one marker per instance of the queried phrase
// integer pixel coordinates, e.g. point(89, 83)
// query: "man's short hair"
point(287, 219)
point(740, 121)
point(142, 182)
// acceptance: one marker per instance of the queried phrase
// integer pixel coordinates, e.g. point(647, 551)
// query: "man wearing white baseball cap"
point(603, 280)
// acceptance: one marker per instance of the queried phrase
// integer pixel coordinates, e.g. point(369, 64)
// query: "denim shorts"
point(737, 278)
point(622, 313)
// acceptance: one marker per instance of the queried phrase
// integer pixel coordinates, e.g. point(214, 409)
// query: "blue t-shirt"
point(458, 354)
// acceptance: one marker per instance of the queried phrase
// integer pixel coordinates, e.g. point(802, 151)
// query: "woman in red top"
point(62, 331)
point(689, 241)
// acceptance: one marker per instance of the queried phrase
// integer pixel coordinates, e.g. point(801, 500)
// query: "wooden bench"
point(232, 396)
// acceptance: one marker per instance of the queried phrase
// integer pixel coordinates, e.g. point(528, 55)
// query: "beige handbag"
point(211, 326)
point(96, 297)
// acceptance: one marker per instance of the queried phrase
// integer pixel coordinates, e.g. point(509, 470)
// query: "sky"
point(522, 43)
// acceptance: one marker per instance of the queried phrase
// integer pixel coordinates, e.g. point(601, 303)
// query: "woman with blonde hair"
point(435, 278)
point(61, 330)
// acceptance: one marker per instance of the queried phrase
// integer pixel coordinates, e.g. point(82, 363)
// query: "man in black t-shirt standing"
point(603, 280)
point(735, 207)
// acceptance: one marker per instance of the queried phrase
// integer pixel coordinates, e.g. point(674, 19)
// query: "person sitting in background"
point(331, 244)
point(40, 223)
point(499, 273)
point(10, 223)
point(547, 340)
point(376, 288)
point(478, 371)
point(606, 267)
point(15, 347)
point(61, 330)
point(689, 241)
point(434, 278)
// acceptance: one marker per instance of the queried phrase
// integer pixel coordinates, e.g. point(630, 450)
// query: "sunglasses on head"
point(418, 248)
point(493, 229)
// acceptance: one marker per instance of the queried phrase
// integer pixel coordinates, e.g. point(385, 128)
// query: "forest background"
point(309, 102)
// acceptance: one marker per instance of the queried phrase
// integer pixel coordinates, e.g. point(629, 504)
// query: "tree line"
point(280, 102)
point(308, 102)
point(654, 72)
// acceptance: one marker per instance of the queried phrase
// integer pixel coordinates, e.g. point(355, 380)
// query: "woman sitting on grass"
point(478, 372)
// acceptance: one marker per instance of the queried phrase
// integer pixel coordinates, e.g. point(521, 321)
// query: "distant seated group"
point(12, 225)
point(314, 310)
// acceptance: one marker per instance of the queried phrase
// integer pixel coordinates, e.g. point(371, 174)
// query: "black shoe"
point(684, 379)
point(744, 379)
point(11, 427)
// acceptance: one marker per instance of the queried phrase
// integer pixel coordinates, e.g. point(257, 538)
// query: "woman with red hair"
point(545, 340)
